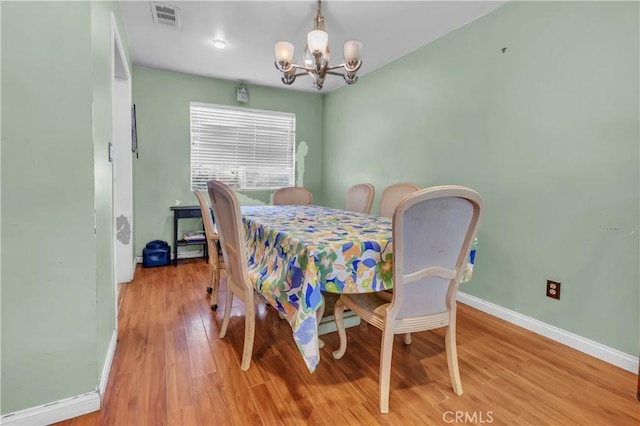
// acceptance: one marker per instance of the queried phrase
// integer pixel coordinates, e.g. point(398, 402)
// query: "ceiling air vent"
point(165, 14)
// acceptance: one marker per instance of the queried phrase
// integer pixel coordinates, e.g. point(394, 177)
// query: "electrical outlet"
point(553, 289)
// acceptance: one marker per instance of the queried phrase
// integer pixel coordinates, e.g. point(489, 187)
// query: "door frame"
point(122, 157)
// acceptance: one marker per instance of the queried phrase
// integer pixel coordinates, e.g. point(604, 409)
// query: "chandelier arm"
point(339, 74)
point(346, 67)
point(305, 68)
point(335, 67)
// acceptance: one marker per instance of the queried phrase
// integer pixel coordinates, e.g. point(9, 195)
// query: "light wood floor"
point(171, 367)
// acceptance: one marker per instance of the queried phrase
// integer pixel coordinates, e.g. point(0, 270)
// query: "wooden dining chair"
point(215, 256)
point(293, 195)
point(360, 198)
point(392, 195)
point(226, 210)
point(433, 231)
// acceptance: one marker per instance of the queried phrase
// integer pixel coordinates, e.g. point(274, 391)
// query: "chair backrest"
point(294, 195)
point(207, 221)
point(360, 198)
point(226, 210)
point(392, 195)
point(433, 231)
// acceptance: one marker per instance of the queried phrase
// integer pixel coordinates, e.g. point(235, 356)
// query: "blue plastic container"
point(156, 253)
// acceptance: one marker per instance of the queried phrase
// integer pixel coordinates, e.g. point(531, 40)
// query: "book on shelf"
point(193, 236)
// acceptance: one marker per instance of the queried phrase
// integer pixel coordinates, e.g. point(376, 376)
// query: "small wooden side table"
point(185, 212)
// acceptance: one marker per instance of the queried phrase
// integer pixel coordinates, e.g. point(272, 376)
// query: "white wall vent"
point(165, 14)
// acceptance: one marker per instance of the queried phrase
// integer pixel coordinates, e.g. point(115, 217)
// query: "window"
point(245, 148)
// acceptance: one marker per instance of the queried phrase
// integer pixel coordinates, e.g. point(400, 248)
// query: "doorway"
point(122, 155)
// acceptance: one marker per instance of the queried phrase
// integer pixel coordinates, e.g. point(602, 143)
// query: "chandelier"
point(316, 57)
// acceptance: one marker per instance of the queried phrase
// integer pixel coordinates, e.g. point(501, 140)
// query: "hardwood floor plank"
point(174, 313)
point(266, 399)
point(197, 340)
point(178, 371)
point(510, 402)
point(185, 415)
point(293, 398)
point(236, 397)
point(150, 391)
point(210, 391)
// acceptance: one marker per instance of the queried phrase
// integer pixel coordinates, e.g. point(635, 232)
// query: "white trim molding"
point(54, 412)
point(104, 379)
point(589, 347)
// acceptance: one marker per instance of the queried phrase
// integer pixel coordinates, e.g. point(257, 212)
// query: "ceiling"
point(388, 30)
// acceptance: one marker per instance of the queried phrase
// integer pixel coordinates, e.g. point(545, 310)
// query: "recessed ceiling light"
point(219, 44)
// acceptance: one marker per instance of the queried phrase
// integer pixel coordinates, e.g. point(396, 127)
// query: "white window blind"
point(245, 148)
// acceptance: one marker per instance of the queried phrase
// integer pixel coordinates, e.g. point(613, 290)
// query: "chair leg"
point(406, 339)
point(211, 283)
point(386, 352)
point(215, 283)
point(452, 358)
point(249, 333)
point(227, 312)
point(338, 316)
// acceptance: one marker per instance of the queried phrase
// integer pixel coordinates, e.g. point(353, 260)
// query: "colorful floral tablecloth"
point(295, 252)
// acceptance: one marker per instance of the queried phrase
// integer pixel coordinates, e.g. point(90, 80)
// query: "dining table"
point(295, 253)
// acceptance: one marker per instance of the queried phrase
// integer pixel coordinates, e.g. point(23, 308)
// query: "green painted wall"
point(48, 244)
point(547, 133)
point(161, 174)
point(58, 301)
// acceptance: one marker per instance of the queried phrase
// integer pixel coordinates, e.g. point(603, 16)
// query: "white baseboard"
point(181, 255)
point(589, 347)
point(133, 268)
point(55, 412)
point(66, 408)
point(104, 379)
